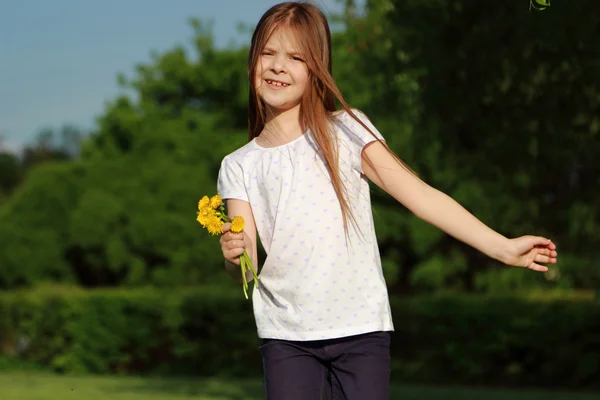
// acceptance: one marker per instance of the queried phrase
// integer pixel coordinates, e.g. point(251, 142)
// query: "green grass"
point(41, 386)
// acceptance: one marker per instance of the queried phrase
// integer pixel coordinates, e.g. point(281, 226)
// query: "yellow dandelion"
point(216, 201)
point(203, 203)
point(215, 226)
point(205, 215)
point(237, 225)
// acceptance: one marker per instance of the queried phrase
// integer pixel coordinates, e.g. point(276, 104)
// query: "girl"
point(302, 186)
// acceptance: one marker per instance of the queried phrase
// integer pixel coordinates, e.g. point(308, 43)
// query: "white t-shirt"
point(314, 283)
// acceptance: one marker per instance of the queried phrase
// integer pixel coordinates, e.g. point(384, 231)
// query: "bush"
point(496, 340)
point(201, 332)
point(487, 340)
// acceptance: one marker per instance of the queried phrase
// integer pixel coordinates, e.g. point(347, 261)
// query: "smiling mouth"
point(276, 83)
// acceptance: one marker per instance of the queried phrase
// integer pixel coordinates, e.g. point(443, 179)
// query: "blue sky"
point(59, 59)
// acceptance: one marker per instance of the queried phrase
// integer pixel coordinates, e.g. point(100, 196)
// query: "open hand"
point(530, 252)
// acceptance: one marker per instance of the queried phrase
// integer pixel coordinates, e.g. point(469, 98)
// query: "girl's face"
point(281, 73)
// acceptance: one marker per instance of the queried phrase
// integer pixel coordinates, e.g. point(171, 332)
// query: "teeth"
point(274, 83)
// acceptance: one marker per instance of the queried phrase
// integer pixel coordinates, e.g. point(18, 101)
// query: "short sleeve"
point(230, 183)
point(355, 137)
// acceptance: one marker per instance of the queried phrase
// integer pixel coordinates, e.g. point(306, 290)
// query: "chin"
point(279, 106)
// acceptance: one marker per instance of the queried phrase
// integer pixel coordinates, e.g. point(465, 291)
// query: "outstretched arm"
point(440, 210)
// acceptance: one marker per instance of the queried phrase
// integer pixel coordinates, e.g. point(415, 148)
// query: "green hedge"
point(453, 339)
point(498, 340)
point(199, 332)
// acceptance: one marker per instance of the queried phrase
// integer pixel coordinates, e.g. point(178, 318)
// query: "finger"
point(225, 238)
point(540, 241)
point(235, 244)
point(233, 260)
point(235, 237)
point(233, 255)
point(226, 227)
point(543, 251)
point(228, 236)
point(547, 252)
point(544, 259)
point(537, 267)
point(549, 245)
point(551, 254)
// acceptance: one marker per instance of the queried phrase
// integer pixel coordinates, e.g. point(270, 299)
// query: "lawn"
point(38, 386)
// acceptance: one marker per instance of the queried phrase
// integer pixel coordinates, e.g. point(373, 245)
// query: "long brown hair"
point(317, 107)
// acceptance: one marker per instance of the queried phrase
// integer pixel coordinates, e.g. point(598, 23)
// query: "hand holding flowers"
point(211, 215)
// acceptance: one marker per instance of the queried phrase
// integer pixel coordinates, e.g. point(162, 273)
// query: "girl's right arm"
point(234, 244)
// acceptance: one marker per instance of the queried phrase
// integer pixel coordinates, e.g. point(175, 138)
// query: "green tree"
point(492, 105)
point(123, 213)
point(508, 126)
point(10, 172)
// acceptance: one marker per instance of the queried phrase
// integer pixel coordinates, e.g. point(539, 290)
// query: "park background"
point(111, 289)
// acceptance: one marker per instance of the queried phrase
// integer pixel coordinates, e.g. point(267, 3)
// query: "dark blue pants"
point(350, 368)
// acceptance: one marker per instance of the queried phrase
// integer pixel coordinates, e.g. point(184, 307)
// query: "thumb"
point(226, 227)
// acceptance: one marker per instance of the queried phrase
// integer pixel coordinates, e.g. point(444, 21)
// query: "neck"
point(283, 124)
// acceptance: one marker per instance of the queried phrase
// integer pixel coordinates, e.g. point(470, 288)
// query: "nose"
point(278, 64)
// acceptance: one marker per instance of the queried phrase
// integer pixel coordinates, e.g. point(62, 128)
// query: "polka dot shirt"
point(316, 282)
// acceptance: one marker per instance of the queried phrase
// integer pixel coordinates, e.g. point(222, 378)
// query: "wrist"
point(503, 250)
point(233, 270)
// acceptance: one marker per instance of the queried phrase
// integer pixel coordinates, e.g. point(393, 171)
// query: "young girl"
point(302, 186)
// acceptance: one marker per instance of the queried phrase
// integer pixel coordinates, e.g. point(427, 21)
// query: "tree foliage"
point(498, 106)
point(511, 106)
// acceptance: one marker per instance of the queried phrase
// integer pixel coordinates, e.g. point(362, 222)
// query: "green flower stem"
point(245, 282)
point(246, 264)
point(245, 261)
point(251, 267)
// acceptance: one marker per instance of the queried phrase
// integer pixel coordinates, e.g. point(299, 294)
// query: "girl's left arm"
point(440, 210)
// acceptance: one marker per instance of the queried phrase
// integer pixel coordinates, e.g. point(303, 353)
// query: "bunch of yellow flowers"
point(211, 215)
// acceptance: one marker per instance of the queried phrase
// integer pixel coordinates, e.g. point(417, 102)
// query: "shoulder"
point(240, 156)
point(360, 128)
point(342, 116)
point(233, 171)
